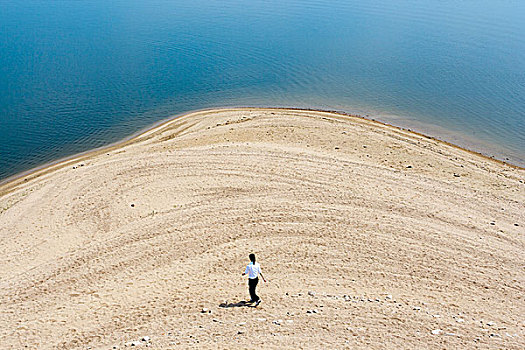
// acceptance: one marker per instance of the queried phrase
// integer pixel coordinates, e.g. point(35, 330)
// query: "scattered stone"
point(312, 294)
point(436, 316)
point(277, 322)
point(134, 343)
point(205, 310)
point(516, 225)
point(417, 308)
point(389, 297)
point(493, 223)
point(409, 166)
point(494, 335)
point(460, 320)
point(240, 332)
point(336, 147)
point(132, 205)
point(490, 324)
point(241, 324)
point(215, 320)
point(437, 331)
point(146, 339)
point(456, 175)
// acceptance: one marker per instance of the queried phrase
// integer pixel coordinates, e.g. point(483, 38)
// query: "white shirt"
point(253, 270)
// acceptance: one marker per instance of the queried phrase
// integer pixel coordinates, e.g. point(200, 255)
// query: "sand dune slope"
point(394, 234)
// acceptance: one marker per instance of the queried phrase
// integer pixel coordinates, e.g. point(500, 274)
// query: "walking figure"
point(253, 270)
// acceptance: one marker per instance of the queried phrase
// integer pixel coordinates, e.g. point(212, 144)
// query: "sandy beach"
point(370, 236)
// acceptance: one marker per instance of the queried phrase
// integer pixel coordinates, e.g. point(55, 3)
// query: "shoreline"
point(12, 181)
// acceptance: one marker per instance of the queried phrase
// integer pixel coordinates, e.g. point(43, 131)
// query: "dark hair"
point(252, 258)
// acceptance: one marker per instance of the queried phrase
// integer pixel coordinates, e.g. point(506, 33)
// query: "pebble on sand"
point(134, 343)
point(437, 331)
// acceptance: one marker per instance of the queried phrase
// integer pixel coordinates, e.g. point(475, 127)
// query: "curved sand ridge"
point(396, 235)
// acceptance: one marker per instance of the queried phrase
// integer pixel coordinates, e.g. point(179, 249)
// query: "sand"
point(370, 237)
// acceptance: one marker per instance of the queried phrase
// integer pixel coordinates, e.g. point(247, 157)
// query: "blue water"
point(76, 75)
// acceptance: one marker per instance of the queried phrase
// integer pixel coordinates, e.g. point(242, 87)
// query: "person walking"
point(253, 270)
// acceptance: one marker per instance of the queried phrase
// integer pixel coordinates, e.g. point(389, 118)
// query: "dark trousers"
point(252, 284)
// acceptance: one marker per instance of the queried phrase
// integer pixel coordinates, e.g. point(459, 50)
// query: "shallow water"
point(76, 75)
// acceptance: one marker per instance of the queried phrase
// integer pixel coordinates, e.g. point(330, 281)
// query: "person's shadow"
point(242, 303)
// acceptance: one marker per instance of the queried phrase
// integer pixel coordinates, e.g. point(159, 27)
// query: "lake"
point(76, 75)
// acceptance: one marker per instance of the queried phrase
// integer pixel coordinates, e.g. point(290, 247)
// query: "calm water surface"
point(75, 75)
